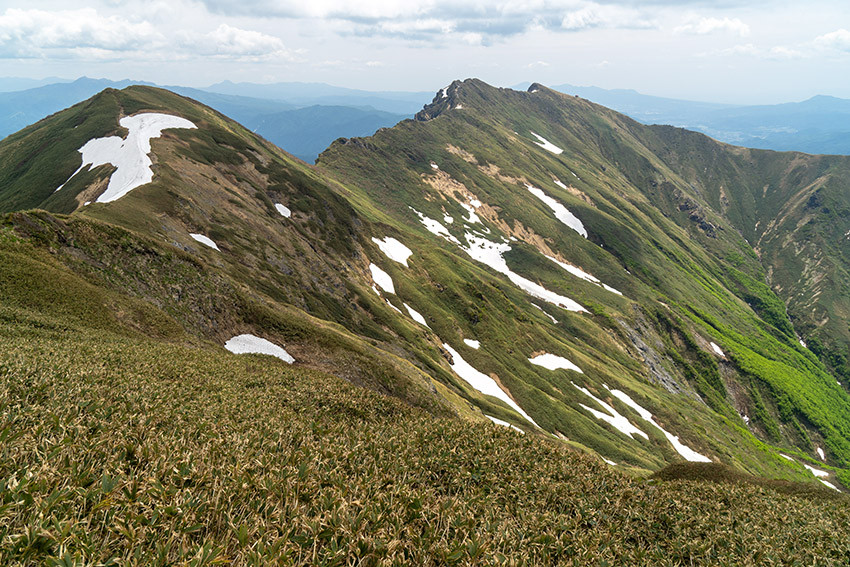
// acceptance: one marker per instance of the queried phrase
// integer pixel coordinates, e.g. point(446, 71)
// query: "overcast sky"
point(743, 51)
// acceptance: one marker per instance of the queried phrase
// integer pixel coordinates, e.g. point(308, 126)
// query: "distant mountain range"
point(301, 118)
point(819, 125)
point(304, 118)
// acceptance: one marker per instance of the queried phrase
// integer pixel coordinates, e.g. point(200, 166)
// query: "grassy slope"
point(671, 260)
point(169, 454)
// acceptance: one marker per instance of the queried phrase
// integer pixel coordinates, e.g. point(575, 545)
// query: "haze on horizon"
point(729, 51)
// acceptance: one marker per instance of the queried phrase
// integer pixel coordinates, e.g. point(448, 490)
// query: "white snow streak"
point(482, 382)
point(490, 253)
point(554, 362)
point(473, 218)
point(579, 273)
point(817, 472)
point(717, 350)
point(250, 344)
point(821, 454)
point(434, 227)
point(383, 279)
point(415, 315)
point(205, 240)
point(546, 144)
point(434, 165)
point(685, 451)
point(393, 249)
point(284, 211)
point(503, 423)
point(555, 321)
point(559, 183)
point(613, 417)
point(561, 212)
point(130, 155)
point(472, 343)
point(829, 484)
point(394, 307)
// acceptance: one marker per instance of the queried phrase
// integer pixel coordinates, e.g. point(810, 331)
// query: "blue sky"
point(726, 51)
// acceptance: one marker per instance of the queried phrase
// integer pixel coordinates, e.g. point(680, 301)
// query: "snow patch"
point(613, 417)
point(558, 183)
point(434, 165)
point(393, 306)
point(555, 321)
point(786, 457)
point(561, 212)
point(434, 227)
point(503, 423)
point(444, 92)
point(817, 472)
point(415, 315)
point(821, 454)
point(829, 484)
point(482, 382)
point(129, 155)
point(685, 451)
point(803, 343)
point(579, 273)
point(546, 144)
point(472, 343)
point(447, 219)
point(473, 218)
point(284, 211)
point(607, 461)
point(383, 279)
point(459, 107)
point(717, 350)
point(250, 344)
point(490, 253)
point(554, 362)
point(394, 250)
point(205, 240)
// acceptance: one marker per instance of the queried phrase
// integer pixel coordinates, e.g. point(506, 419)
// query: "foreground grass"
point(115, 451)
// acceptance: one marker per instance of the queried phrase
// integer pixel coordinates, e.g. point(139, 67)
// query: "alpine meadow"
point(519, 328)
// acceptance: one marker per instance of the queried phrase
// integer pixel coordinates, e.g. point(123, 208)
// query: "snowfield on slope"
point(130, 155)
point(383, 279)
point(415, 315)
point(482, 382)
point(394, 250)
point(561, 212)
point(490, 253)
point(579, 273)
point(546, 144)
point(251, 344)
point(503, 423)
point(283, 210)
point(685, 451)
point(554, 362)
point(205, 240)
point(613, 417)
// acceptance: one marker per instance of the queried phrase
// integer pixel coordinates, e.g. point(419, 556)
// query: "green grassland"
point(129, 436)
point(122, 450)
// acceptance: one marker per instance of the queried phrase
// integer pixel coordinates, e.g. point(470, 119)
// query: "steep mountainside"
point(613, 292)
point(530, 258)
point(669, 217)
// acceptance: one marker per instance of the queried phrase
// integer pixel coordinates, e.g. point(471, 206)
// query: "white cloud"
point(705, 26)
point(838, 40)
point(72, 33)
point(472, 22)
point(235, 43)
point(85, 34)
